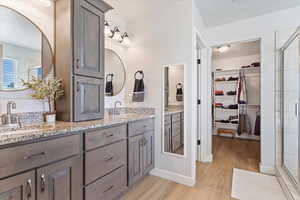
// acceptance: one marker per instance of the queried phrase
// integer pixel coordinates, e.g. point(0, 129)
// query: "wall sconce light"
point(224, 48)
point(116, 34)
point(46, 3)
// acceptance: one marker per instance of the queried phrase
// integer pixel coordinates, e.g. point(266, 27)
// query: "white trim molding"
point(267, 169)
point(178, 178)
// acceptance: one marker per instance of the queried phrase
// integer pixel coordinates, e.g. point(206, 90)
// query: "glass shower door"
point(290, 106)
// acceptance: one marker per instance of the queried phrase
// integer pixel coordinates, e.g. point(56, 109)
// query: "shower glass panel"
point(290, 107)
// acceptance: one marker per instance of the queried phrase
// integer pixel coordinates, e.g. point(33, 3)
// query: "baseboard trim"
point(208, 158)
point(267, 169)
point(178, 178)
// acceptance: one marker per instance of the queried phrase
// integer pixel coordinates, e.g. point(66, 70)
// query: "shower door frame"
point(293, 37)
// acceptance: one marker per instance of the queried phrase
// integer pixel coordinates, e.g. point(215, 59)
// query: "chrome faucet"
point(116, 112)
point(7, 119)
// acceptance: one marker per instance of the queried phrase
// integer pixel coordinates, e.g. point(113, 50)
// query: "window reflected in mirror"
point(173, 114)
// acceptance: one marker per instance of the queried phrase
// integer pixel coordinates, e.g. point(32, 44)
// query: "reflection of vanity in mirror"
point(115, 74)
point(24, 51)
point(173, 115)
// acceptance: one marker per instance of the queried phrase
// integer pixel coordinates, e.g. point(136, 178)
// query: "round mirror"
point(114, 73)
point(24, 51)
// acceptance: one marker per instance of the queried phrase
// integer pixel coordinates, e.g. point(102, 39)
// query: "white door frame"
point(204, 127)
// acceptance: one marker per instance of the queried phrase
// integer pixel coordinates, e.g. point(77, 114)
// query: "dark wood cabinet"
point(135, 150)
point(79, 41)
point(88, 98)
point(140, 150)
point(89, 39)
point(60, 181)
point(148, 152)
point(167, 137)
point(19, 187)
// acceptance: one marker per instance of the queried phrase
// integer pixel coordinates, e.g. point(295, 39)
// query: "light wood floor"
point(213, 179)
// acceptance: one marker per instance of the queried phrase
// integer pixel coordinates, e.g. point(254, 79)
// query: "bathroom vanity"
point(85, 160)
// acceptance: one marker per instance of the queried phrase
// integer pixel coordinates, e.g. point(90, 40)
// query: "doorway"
point(236, 104)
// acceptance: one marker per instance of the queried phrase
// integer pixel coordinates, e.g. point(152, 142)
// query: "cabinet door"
point(135, 159)
point(61, 181)
point(20, 187)
point(167, 138)
point(148, 152)
point(88, 98)
point(88, 40)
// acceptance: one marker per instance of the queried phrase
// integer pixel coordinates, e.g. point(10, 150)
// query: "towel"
point(242, 95)
point(179, 92)
point(139, 88)
point(109, 89)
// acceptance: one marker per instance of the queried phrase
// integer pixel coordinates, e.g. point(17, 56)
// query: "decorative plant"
point(46, 90)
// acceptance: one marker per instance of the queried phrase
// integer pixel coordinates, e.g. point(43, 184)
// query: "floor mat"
point(247, 185)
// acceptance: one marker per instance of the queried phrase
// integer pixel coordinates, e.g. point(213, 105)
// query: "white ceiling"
point(239, 50)
point(17, 30)
point(217, 12)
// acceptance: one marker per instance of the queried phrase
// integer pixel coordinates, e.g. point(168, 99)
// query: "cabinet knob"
point(43, 182)
point(77, 63)
point(29, 188)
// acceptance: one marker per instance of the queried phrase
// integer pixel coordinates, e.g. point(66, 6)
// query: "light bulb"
point(117, 35)
point(126, 40)
point(107, 31)
point(223, 49)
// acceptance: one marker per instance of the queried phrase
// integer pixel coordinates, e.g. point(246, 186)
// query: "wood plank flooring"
point(213, 179)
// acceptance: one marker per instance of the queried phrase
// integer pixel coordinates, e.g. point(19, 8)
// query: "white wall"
point(163, 36)
point(262, 27)
point(235, 62)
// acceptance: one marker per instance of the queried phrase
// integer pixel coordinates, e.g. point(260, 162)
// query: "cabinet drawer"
point(101, 161)
point(110, 187)
point(64, 147)
point(176, 128)
point(176, 117)
point(175, 143)
point(167, 119)
point(21, 158)
point(139, 127)
point(105, 136)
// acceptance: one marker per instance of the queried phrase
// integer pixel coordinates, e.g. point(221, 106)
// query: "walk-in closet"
point(236, 90)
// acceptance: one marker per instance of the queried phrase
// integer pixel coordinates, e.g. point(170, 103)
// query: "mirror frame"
point(184, 155)
point(43, 37)
point(110, 49)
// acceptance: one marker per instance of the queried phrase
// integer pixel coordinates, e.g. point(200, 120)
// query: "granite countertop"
point(174, 110)
point(43, 130)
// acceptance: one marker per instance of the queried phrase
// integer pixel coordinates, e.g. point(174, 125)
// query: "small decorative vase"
point(50, 118)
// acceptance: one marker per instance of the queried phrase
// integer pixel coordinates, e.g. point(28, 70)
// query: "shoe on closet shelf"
point(220, 79)
point(231, 93)
point(233, 78)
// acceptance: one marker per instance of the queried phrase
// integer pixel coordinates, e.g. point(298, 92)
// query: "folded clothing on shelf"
point(233, 78)
point(233, 117)
point(219, 92)
point(255, 64)
point(223, 121)
point(220, 79)
point(232, 106)
point(219, 105)
point(226, 131)
point(247, 66)
point(231, 93)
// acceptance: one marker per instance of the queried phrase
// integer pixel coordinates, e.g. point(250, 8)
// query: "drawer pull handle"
point(108, 158)
point(29, 188)
point(43, 182)
point(108, 189)
point(109, 135)
point(34, 155)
